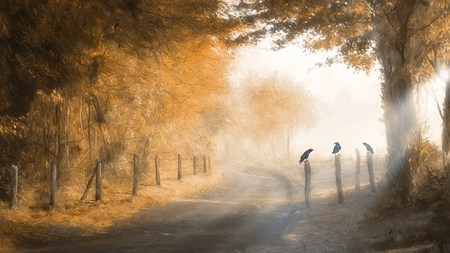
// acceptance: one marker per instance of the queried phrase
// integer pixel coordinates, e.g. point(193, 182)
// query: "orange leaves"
point(359, 61)
point(278, 106)
point(268, 104)
point(189, 80)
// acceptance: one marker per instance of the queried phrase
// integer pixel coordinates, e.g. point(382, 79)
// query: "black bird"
point(368, 147)
point(305, 155)
point(336, 148)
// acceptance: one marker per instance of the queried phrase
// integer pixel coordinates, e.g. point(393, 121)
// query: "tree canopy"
point(106, 79)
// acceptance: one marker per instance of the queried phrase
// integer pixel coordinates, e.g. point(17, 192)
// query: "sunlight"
point(445, 73)
point(432, 94)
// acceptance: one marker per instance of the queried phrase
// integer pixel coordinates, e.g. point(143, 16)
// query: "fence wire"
point(323, 173)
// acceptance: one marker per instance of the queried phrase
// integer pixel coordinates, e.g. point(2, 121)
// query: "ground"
point(36, 223)
point(235, 209)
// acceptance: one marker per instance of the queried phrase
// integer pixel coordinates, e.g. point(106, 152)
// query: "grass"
point(33, 222)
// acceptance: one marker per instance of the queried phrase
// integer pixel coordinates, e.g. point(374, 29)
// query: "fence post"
point(52, 185)
point(14, 186)
point(371, 172)
point(98, 181)
point(194, 172)
point(337, 159)
point(358, 169)
point(204, 164)
point(158, 180)
point(307, 184)
point(179, 167)
point(135, 174)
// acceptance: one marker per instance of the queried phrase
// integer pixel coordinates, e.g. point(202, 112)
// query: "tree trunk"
point(401, 124)
point(446, 127)
point(399, 113)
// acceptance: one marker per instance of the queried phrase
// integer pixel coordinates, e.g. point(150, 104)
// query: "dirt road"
point(251, 211)
point(259, 210)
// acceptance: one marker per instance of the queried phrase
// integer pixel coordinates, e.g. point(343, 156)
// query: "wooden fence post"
point(337, 159)
point(179, 167)
point(98, 181)
point(371, 172)
point(135, 174)
point(14, 186)
point(158, 180)
point(307, 184)
point(358, 169)
point(204, 164)
point(52, 185)
point(194, 172)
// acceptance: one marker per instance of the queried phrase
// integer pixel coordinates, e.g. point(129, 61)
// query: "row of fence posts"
point(97, 175)
point(340, 192)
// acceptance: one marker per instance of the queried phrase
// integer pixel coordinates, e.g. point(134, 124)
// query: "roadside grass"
point(32, 222)
point(368, 222)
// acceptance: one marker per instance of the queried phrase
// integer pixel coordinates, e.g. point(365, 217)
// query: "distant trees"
point(266, 112)
point(399, 34)
point(278, 109)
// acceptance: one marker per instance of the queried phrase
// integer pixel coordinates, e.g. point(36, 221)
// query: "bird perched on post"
point(305, 155)
point(368, 147)
point(336, 148)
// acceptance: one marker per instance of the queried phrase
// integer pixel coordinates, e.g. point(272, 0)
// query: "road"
point(252, 210)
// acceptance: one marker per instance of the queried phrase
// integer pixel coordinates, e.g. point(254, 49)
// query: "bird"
point(336, 148)
point(368, 147)
point(305, 155)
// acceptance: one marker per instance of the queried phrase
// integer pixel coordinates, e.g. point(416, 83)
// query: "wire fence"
point(141, 172)
point(148, 171)
point(344, 173)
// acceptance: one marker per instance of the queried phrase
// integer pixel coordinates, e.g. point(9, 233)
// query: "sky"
point(348, 102)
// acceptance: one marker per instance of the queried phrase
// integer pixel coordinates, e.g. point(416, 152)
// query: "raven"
point(305, 155)
point(336, 148)
point(368, 147)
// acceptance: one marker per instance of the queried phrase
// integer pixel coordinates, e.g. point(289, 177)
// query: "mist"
point(347, 104)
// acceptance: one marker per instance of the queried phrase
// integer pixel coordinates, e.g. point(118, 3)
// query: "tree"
point(73, 69)
point(277, 109)
point(397, 33)
point(438, 61)
point(264, 113)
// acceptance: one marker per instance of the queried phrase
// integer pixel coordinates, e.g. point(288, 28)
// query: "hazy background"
point(347, 103)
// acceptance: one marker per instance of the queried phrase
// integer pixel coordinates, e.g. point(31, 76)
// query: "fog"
point(348, 106)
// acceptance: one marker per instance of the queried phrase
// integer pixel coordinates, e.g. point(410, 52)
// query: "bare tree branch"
point(390, 22)
point(436, 69)
point(436, 100)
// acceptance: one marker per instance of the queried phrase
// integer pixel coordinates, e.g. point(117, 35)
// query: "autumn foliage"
point(105, 80)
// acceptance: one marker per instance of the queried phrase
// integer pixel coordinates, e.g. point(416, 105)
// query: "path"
point(253, 210)
point(250, 212)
